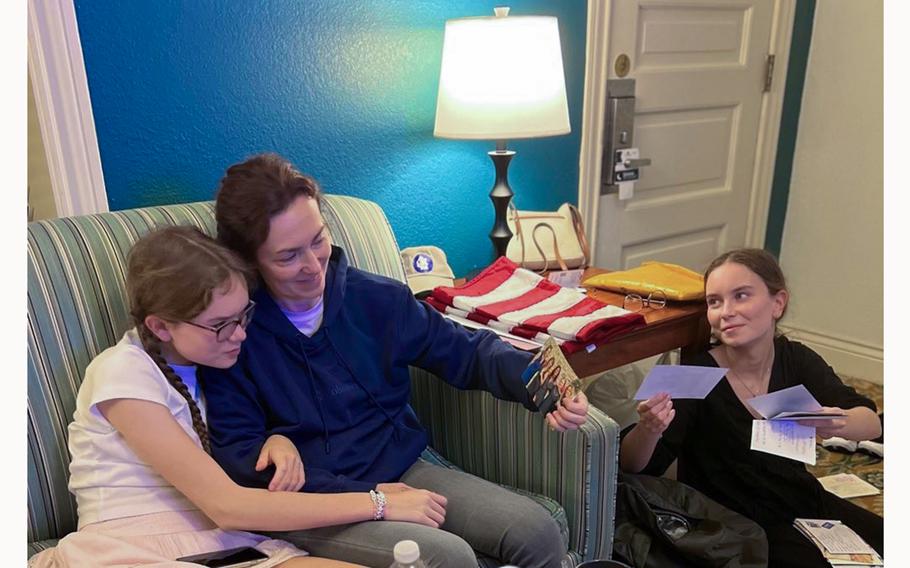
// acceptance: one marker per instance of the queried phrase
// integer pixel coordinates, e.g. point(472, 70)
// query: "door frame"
point(64, 108)
point(597, 71)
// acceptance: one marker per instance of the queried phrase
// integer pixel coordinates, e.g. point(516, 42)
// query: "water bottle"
point(407, 555)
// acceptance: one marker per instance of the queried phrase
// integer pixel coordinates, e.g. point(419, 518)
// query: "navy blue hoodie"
point(342, 395)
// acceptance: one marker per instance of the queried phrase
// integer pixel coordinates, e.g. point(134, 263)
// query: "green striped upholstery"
point(504, 443)
point(77, 308)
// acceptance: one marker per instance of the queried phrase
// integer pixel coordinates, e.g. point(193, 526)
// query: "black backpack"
point(663, 523)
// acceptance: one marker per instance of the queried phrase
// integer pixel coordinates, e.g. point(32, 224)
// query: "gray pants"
point(479, 515)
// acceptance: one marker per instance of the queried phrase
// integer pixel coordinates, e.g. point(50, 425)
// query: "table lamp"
point(501, 78)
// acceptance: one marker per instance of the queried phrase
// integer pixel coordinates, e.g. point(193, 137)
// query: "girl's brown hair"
point(172, 273)
point(251, 193)
point(759, 261)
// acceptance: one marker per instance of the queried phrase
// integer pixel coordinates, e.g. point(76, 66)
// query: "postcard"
point(794, 403)
point(680, 381)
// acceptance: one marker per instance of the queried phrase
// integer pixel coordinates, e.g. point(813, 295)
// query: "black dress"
point(711, 439)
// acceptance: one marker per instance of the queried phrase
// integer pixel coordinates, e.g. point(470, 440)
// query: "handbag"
point(543, 240)
point(675, 281)
point(662, 522)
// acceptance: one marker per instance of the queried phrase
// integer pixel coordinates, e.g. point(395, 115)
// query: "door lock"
point(621, 163)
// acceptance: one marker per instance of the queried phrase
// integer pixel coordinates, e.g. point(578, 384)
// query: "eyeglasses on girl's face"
point(225, 330)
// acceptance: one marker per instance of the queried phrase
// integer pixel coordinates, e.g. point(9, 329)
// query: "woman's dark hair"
point(251, 193)
point(172, 273)
point(759, 261)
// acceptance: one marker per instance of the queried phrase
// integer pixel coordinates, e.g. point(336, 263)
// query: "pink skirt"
point(155, 539)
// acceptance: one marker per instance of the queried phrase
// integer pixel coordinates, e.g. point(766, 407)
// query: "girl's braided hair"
point(172, 273)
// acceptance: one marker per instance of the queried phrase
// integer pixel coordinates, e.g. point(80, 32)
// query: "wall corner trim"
point(64, 108)
point(798, 61)
point(772, 108)
point(595, 97)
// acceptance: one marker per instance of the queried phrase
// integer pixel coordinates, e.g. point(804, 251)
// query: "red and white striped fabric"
point(521, 302)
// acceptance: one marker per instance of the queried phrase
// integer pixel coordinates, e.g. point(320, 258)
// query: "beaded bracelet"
point(378, 498)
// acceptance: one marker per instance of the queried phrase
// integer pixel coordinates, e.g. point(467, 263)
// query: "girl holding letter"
point(746, 295)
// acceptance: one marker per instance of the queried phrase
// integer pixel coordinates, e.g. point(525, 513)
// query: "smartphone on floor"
point(239, 557)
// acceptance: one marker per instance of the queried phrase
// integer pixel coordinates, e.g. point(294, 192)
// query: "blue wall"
point(346, 89)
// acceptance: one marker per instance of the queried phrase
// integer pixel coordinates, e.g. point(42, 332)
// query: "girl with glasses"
point(147, 490)
point(747, 295)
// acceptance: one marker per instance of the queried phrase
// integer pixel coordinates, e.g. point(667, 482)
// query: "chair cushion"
point(39, 545)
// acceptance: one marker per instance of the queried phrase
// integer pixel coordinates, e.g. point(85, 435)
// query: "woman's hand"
point(570, 413)
point(654, 416)
point(829, 427)
point(656, 413)
point(404, 503)
point(289, 474)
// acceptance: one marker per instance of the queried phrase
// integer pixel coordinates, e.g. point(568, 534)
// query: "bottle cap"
point(406, 552)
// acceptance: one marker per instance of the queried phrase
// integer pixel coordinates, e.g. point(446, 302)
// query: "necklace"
point(742, 382)
point(766, 372)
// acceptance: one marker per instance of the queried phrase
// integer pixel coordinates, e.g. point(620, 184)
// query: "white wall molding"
point(769, 125)
point(848, 356)
point(64, 108)
point(595, 96)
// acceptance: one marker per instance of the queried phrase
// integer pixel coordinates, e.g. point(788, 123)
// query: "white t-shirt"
point(307, 321)
point(106, 477)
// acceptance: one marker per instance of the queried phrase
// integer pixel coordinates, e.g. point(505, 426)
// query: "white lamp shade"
point(501, 78)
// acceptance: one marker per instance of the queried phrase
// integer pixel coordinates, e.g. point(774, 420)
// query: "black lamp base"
point(501, 195)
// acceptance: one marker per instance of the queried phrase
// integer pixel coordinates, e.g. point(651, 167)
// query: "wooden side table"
point(678, 325)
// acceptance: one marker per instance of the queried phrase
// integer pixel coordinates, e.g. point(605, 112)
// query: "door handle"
point(637, 163)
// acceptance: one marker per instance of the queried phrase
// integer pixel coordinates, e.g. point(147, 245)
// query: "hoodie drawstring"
point(312, 381)
point(388, 416)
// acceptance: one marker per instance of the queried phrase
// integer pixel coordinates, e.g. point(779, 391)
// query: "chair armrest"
point(504, 443)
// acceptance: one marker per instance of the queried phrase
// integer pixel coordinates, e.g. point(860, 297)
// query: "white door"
point(699, 70)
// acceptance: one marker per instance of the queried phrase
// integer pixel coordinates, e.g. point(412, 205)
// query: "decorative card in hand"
point(549, 377)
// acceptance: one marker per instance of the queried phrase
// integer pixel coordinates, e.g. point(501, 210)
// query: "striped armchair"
point(77, 308)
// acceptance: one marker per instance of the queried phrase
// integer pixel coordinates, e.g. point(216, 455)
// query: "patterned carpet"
point(866, 467)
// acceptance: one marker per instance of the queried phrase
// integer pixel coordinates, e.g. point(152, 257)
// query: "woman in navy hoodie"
point(325, 364)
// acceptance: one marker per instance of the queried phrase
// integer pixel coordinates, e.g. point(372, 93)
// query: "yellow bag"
point(677, 282)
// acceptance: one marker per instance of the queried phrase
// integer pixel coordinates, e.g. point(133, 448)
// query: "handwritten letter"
point(784, 438)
